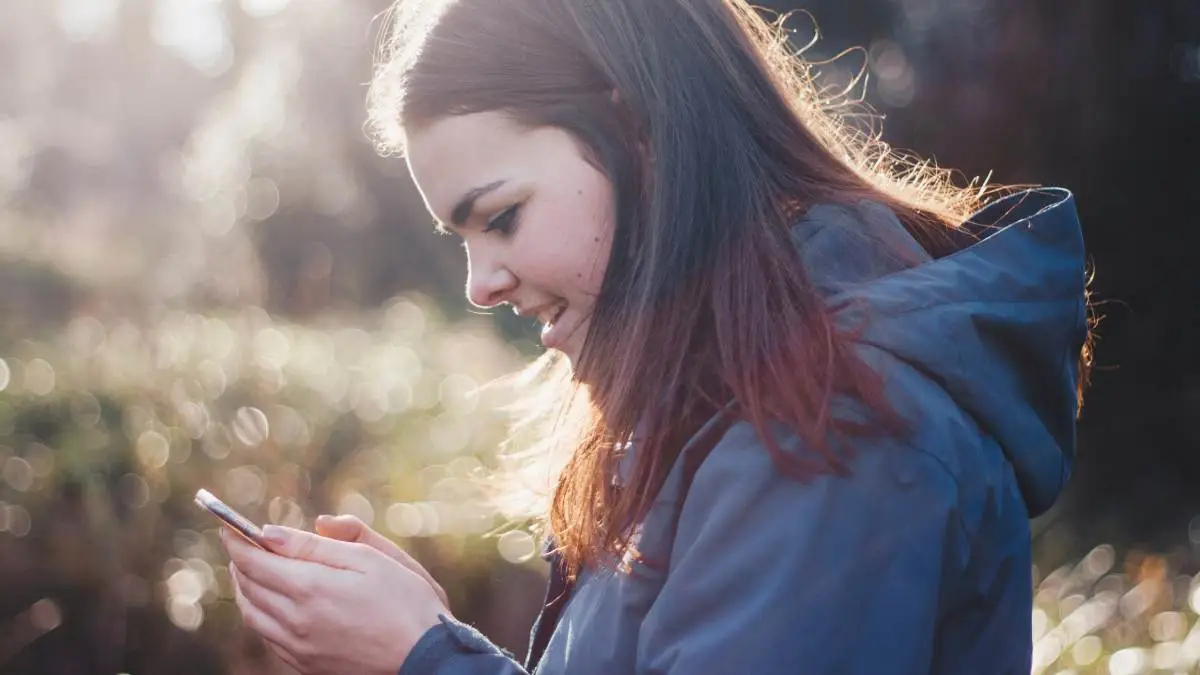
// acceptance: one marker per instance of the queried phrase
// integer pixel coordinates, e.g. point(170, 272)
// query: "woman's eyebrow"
point(466, 204)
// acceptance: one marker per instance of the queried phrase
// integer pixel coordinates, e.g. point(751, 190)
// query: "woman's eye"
point(504, 222)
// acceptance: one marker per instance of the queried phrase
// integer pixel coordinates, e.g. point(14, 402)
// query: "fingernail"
point(274, 535)
point(324, 519)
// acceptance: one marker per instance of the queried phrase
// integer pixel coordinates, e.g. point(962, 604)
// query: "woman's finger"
point(352, 529)
point(289, 577)
point(285, 656)
point(261, 622)
point(246, 605)
point(279, 607)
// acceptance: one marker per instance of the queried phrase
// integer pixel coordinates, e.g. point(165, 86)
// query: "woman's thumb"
point(350, 528)
point(342, 528)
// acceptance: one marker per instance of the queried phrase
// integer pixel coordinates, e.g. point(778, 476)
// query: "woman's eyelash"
point(505, 221)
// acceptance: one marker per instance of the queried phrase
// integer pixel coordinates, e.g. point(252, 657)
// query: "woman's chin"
point(567, 351)
point(566, 339)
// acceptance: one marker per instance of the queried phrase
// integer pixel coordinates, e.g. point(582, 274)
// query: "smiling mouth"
point(553, 318)
point(551, 332)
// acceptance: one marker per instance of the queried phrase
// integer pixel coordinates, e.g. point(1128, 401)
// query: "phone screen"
point(239, 523)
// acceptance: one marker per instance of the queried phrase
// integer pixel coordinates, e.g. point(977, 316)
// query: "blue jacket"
point(919, 562)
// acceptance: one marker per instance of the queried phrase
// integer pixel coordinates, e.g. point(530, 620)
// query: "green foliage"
point(107, 432)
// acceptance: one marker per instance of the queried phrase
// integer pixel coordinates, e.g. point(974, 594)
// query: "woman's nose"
point(488, 284)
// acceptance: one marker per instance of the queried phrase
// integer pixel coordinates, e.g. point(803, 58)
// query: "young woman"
point(822, 396)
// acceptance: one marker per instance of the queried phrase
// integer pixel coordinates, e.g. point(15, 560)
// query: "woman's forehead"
point(457, 153)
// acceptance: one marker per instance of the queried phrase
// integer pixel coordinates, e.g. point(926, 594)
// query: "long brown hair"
point(716, 139)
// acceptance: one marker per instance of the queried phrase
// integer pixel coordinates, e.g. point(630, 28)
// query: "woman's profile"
point(813, 393)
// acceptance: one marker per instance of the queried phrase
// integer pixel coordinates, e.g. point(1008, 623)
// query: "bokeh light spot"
point(1127, 661)
point(41, 460)
point(186, 585)
point(516, 546)
point(18, 474)
point(354, 504)
point(19, 521)
point(1040, 622)
point(431, 521)
point(45, 615)
point(153, 449)
point(406, 319)
point(39, 377)
point(196, 30)
point(1087, 650)
point(404, 520)
point(459, 394)
point(250, 425)
point(370, 401)
point(85, 409)
point(272, 348)
point(286, 512)
point(187, 615)
point(448, 436)
point(1193, 527)
point(87, 20)
point(1167, 655)
point(1166, 626)
point(897, 80)
point(134, 490)
point(1099, 561)
point(262, 198)
point(1194, 599)
point(245, 485)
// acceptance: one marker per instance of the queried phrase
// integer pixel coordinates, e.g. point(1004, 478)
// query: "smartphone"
point(236, 521)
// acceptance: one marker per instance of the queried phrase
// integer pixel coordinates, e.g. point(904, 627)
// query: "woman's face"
point(535, 217)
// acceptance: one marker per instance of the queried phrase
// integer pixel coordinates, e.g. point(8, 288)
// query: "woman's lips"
point(553, 330)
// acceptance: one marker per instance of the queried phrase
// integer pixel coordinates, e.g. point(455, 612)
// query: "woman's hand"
point(350, 528)
point(330, 607)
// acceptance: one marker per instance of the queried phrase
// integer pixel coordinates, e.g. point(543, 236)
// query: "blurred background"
point(208, 278)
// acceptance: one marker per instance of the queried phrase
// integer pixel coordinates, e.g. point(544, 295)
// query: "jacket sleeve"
point(455, 648)
point(839, 575)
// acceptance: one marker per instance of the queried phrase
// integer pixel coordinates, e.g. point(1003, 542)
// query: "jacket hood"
point(999, 324)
